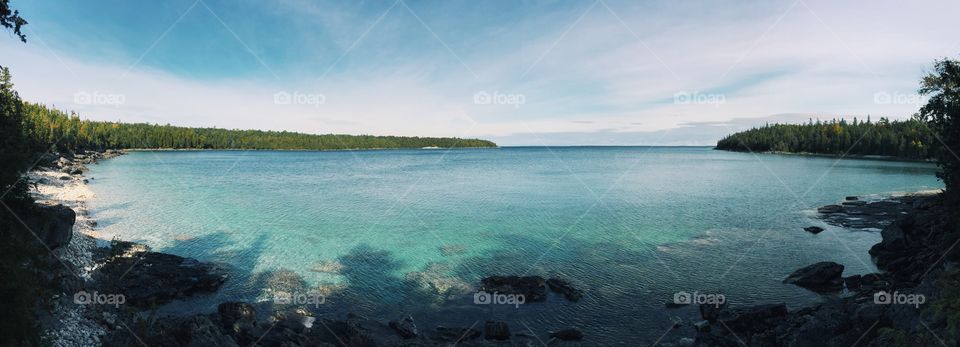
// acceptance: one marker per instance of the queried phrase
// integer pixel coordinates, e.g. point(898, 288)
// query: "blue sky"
point(518, 72)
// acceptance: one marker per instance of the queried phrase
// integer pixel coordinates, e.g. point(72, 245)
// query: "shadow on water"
point(625, 285)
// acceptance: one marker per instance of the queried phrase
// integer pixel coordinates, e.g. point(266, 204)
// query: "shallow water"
point(409, 231)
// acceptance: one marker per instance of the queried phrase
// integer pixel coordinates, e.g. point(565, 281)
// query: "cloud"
point(603, 76)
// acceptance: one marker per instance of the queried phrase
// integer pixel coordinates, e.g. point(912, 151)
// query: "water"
point(414, 229)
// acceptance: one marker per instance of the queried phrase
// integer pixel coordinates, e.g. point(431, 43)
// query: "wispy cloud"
point(612, 77)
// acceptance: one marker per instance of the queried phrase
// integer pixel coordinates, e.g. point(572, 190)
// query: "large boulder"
point(820, 277)
point(52, 224)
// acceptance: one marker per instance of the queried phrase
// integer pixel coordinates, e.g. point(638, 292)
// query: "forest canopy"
point(908, 139)
point(47, 126)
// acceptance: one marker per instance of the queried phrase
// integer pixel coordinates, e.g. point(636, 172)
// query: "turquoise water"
point(413, 230)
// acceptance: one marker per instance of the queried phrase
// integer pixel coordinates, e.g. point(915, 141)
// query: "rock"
point(813, 229)
point(702, 326)
point(52, 224)
point(149, 278)
point(746, 319)
point(65, 178)
point(72, 170)
point(234, 312)
point(822, 276)
point(854, 203)
point(563, 287)
point(533, 288)
point(674, 304)
point(405, 327)
point(852, 198)
point(450, 250)
point(711, 312)
point(367, 332)
point(852, 282)
point(830, 209)
point(496, 330)
point(568, 334)
point(456, 334)
point(330, 266)
point(677, 322)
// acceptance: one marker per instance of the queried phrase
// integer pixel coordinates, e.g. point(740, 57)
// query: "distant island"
point(909, 139)
point(46, 125)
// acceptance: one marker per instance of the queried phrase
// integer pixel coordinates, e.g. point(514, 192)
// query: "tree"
point(11, 19)
point(942, 113)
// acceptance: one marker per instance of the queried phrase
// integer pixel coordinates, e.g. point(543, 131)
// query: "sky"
point(573, 72)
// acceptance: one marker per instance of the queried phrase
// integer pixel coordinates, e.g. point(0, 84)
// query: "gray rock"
point(496, 330)
point(822, 276)
point(568, 334)
point(52, 224)
point(405, 327)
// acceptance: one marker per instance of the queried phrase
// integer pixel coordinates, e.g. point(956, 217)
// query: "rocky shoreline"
point(888, 308)
point(107, 291)
point(86, 308)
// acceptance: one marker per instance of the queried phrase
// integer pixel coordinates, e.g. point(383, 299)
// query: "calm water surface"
point(412, 231)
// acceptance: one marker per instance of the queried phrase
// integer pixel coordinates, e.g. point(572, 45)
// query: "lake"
point(390, 232)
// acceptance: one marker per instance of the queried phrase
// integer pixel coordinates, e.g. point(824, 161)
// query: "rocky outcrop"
point(861, 214)
point(820, 277)
point(533, 288)
point(148, 278)
point(864, 315)
point(52, 224)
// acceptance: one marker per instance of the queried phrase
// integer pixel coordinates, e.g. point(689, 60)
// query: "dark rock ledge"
point(913, 228)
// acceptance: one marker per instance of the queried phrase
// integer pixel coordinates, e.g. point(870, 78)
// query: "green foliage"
point(909, 139)
point(946, 308)
point(11, 19)
point(46, 126)
point(18, 289)
point(942, 111)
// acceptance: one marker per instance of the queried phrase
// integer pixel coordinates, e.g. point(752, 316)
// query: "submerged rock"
point(563, 287)
point(813, 229)
point(533, 288)
point(820, 277)
point(568, 334)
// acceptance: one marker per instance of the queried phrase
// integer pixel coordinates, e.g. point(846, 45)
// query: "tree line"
point(907, 139)
point(47, 126)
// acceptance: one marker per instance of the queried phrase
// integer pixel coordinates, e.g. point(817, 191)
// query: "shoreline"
point(294, 149)
point(69, 325)
point(836, 156)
